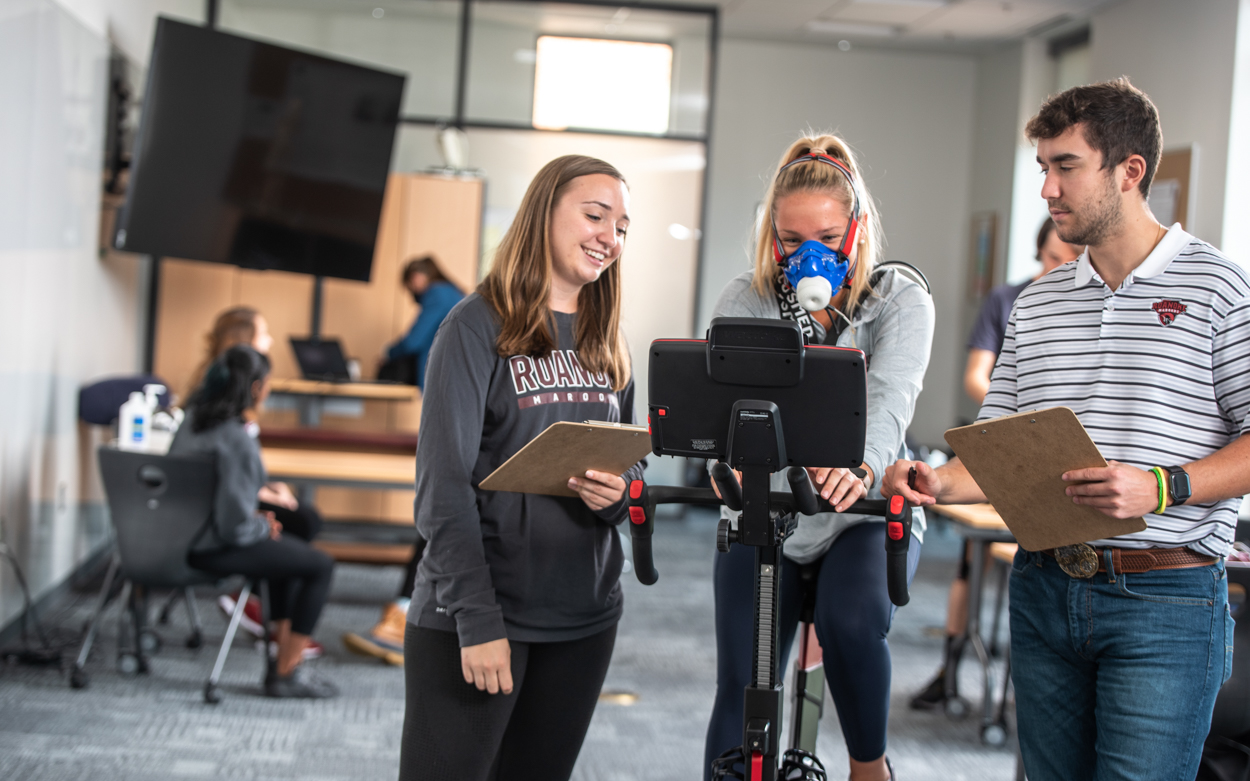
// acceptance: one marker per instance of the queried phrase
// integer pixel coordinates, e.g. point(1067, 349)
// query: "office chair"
point(159, 506)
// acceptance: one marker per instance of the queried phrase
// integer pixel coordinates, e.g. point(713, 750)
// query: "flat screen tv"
point(259, 155)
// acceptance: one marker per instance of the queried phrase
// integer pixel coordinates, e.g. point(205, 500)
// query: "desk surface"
point(977, 516)
point(352, 390)
point(330, 467)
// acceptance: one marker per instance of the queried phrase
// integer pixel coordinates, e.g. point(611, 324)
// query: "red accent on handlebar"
point(635, 489)
point(893, 528)
point(896, 505)
point(637, 515)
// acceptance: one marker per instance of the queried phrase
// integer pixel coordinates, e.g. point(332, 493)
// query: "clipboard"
point(566, 450)
point(1017, 461)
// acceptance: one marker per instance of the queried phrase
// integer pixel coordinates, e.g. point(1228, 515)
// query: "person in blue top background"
point(436, 295)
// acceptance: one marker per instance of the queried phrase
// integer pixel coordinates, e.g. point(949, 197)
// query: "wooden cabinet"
point(421, 214)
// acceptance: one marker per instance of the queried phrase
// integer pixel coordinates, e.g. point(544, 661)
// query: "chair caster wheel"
point(195, 640)
point(957, 708)
point(211, 695)
point(128, 664)
point(149, 641)
point(78, 679)
point(994, 735)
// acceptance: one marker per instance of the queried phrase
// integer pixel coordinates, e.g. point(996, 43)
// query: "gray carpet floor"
point(156, 726)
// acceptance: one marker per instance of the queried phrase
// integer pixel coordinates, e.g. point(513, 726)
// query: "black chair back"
point(159, 506)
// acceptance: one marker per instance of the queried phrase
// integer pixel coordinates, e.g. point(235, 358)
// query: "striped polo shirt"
point(1158, 371)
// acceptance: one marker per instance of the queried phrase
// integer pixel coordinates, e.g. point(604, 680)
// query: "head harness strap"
point(852, 226)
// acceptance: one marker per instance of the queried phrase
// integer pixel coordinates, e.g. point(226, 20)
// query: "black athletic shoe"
point(932, 696)
point(301, 683)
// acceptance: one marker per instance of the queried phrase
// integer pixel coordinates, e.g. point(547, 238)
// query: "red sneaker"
point(250, 620)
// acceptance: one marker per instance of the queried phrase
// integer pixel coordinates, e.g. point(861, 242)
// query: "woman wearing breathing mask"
point(816, 256)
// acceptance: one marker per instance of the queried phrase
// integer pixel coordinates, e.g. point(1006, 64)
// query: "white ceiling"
point(959, 24)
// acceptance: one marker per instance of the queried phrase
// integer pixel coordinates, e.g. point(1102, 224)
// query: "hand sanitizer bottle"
point(134, 422)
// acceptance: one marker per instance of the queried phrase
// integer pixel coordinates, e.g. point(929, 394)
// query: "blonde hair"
point(814, 176)
point(236, 325)
point(518, 284)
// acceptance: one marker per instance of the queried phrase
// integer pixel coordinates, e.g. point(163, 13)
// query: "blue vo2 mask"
point(815, 272)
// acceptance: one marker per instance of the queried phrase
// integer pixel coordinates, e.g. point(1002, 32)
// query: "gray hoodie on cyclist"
point(894, 328)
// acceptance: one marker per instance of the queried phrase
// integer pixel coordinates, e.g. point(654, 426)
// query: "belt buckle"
point(1078, 561)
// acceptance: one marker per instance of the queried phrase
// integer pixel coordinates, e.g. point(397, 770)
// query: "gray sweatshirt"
point(497, 564)
point(894, 328)
point(240, 474)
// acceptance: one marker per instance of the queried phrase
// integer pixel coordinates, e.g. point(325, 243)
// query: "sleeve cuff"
point(480, 627)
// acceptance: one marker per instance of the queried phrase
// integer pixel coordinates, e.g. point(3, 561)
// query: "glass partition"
point(419, 38)
point(504, 55)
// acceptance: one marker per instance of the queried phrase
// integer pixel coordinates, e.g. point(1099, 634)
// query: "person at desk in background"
point(435, 295)
point(245, 325)
point(1119, 646)
point(242, 540)
point(513, 619)
point(984, 345)
point(817, 207)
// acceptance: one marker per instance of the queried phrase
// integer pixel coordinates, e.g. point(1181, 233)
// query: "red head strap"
point(852, 226)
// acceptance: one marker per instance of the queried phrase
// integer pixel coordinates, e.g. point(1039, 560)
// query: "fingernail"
point(572, 482)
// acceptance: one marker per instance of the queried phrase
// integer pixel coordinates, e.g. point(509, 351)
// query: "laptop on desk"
point(321, 359)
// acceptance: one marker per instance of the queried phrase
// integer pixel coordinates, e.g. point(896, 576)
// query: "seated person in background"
point(242, 540)
point(405, 360)
point(245, 325)
point(984, 345)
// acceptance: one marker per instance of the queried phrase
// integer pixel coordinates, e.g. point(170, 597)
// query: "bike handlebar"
point(644, 498)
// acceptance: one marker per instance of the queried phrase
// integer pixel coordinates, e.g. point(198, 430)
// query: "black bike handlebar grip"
point(801, 488)
point(728, 485)
point(641, 527)
point(897, 540)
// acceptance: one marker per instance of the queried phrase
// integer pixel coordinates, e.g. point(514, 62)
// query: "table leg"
point(310, 411)
point(976, 578)
point(306, 492)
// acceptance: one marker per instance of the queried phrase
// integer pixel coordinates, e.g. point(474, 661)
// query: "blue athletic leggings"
point(853, 614)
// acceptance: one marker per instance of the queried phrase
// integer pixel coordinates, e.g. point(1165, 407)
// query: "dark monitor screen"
point(259, 155)
point(692, 389)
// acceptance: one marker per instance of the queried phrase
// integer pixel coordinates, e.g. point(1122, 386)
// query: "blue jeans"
point(1116, 676)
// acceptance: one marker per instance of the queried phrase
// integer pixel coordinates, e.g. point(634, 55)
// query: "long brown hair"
point(518, 285)
point(814, 176)
point(236, 325)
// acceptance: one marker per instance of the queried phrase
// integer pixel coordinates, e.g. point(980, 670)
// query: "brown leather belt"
point(1130, 561)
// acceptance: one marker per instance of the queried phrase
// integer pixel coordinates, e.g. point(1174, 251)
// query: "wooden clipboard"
point(566, 450)
point(1018, 460)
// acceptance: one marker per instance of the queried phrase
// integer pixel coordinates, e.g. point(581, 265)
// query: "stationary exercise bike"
point(756, 399)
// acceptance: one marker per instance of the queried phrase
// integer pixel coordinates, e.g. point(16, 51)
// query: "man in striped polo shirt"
point(1117, 659)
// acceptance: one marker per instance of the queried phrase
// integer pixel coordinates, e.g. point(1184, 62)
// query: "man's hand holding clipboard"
point(1042, 473)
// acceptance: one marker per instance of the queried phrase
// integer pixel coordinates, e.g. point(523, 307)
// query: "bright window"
point(602, 85)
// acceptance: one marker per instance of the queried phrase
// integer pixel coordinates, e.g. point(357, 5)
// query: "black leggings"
point(303, 522)
point(454, 731)
point(298, 574)
point(853, 614)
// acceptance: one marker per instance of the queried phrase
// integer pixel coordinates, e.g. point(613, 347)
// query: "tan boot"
point(385, 640)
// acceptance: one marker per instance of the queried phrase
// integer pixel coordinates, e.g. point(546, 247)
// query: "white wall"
point(67, 315)
point(1236, 239)
point(910, 119)
point(1182, 55)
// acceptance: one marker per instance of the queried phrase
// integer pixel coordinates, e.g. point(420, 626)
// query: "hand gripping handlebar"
point(801, 499)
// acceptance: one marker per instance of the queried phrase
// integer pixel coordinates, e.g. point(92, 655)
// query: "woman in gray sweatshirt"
point(241, 540)
point(513, 617)
point(819, 224)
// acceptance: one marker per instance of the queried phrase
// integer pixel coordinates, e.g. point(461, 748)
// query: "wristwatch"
point(1178, 485)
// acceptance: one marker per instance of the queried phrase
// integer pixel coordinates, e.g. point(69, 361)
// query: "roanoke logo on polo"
point(1168, 310)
